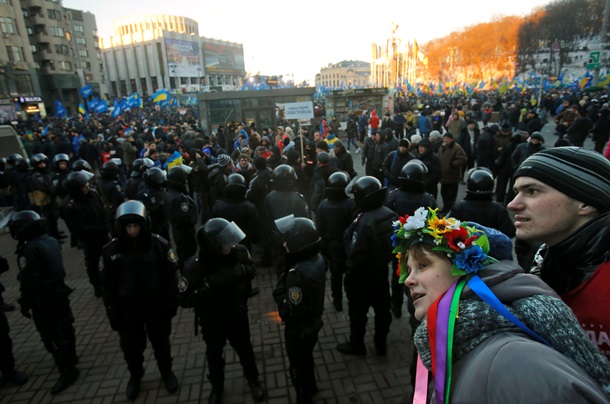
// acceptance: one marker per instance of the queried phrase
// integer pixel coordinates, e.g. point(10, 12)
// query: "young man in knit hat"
point(563, 200)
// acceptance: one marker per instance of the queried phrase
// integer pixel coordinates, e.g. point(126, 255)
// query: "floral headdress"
point(466, 247)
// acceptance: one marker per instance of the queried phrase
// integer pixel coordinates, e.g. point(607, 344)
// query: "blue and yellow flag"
point(160, 95)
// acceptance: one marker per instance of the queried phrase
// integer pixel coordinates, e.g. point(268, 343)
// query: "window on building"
point(6, 25)
point(81, 41)
point(25, 12)
point(65, 66)
point(68, 36)
point(7, 2)
point(83, 52)
point(56, 31)
point(79, 28)
point(85, 65)
point(14, 53)
point(33, 48)
point(54, 14)
point(29, 30)
point(23, 83)
point(62, 49)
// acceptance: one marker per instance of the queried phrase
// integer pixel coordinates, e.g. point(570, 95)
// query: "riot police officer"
point(61, 169)
point(42, 192)
point(19, 182)
point(218, 291)
point(333, 216)
point(7, 360)
point(83, 212)
point(299, 295)
point(181, 212)
point(234, 207)
point(478, 204)
point(369, 251)
point(136, 184)
point(404, 201)
point(153, 198)
point(283, 201)
point(139, 287)
point(111, 191)
point(44, 295)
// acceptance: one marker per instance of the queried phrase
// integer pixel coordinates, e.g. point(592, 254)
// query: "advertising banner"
point(223, 59)
point(182, 58)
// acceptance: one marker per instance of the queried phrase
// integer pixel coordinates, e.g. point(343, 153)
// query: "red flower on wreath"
point(459, 236)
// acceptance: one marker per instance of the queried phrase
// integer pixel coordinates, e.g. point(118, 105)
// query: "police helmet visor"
point(349, 189)
point(116, 161)
point(131, 208)
point(229, 236)
point(284, 224)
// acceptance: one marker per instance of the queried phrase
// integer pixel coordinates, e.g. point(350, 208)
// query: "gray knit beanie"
point(581, 174)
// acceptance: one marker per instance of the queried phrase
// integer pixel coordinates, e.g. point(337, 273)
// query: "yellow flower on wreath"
point(438, 227)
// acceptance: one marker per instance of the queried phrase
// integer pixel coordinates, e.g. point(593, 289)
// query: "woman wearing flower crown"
point(489, 332)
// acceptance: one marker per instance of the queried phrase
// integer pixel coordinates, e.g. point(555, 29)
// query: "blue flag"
point(118, 109)
point(86, 91)
point(101, 106)
point(60, 110)
point(45, 130)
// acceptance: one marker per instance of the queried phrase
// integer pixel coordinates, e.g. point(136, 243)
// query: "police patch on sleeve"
point(184, 207)
point(183, 285)
point(295, 295)
point(171, 256)
point(22, 262)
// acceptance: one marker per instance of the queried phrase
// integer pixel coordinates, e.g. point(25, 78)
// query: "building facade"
point(63, 43)
point(19, 89)
point(345, 74)
point(150, 52)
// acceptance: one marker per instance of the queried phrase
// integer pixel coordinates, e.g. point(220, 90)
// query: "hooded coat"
point(494, 361)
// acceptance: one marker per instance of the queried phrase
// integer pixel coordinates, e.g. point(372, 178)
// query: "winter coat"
point(495, 362)
point(453, 160)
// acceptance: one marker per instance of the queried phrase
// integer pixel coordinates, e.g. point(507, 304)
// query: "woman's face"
point(429, 277)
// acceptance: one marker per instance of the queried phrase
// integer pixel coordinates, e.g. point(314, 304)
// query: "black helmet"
point(26, 224)
point(284, 177)
point(37, 159)
point(155, 177)
point(412, 175)
point(179, 173)
point(80, 165)
point(217, 236)
point(75, 182)
point(59, 158)
point(12, 159)
point(110, 170)
point(235, 186)
point(336, 184)
point(22, 164)
point(480, 182)
point(300, 234)
point(368, 192)
point(140, 166)
point(131, 212)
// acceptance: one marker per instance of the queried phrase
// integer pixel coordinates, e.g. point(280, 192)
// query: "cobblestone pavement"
point(103, 379)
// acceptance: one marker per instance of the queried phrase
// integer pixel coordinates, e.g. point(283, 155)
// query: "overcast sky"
point(284, 37)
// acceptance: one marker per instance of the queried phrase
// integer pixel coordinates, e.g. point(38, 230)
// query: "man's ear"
point(586, 210)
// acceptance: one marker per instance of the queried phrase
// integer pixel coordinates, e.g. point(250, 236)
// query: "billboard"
point(223, 59)
point(182, 58)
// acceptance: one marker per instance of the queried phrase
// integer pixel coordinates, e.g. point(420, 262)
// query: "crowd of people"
point(243, 197)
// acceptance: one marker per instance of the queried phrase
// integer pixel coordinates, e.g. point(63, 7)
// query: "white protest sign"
point(298, 110)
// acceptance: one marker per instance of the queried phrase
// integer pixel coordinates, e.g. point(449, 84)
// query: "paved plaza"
point(103, 379)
